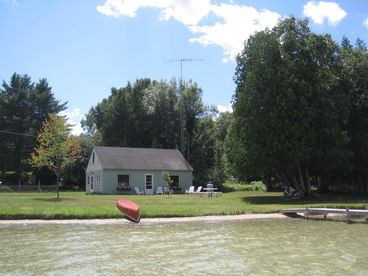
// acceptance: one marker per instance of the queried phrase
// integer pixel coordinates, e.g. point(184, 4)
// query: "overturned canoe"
point(129, 208)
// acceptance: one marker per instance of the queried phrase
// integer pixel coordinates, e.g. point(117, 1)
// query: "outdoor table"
point(168, 191)
point(210, 191)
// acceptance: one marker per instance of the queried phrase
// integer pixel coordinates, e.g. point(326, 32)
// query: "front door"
point(149, 184)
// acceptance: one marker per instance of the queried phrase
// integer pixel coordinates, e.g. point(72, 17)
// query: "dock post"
point(325, 214)
point(347, 215)
point(306, 213)
point(366, 218)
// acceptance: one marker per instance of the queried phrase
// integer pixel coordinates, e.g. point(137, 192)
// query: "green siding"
point(109, 180)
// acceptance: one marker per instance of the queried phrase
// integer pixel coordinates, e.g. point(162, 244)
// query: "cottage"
point(113, 170)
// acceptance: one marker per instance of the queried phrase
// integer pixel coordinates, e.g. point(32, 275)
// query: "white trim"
point(152, 182)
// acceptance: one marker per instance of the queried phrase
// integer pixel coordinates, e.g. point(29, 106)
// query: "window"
point(93, 158)
point(91, 182)
point(175, 179)
point(149, 181)
point(123, 182)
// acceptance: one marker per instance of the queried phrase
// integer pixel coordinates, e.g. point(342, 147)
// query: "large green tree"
point(353, 87)
point(286, 117)
point(24, 105)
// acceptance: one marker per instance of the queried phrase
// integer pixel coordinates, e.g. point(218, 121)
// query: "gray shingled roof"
point(141, 159)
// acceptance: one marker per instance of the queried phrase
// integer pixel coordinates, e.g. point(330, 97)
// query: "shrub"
point(231, 186)
point(5, 189)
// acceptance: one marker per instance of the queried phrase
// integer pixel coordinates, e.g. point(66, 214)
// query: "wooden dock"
point(349, 213)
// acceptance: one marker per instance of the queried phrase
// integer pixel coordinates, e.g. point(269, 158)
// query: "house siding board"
point(97, 185)
point(96, 166)
point(137, 179)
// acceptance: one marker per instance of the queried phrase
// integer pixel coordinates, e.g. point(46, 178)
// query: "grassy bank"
point(79, 205)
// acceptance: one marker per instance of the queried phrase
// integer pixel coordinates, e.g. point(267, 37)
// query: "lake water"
point(249, 247)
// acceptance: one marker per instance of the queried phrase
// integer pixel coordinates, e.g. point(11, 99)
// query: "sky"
point(86, 47)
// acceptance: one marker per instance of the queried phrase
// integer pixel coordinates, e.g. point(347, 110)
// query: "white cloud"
point(321, 11)
point(237, 22)
point(366, 22)
point(222, 108)
point(188, 12)
point(74, 117)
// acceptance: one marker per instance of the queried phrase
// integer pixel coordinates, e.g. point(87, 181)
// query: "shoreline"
point(145, 220)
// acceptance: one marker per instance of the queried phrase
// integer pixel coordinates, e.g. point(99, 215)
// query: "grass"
point(78, 205)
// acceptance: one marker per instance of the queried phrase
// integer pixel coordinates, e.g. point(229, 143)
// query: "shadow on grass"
point(54, 199)
point(334, 199)
point(273, 200)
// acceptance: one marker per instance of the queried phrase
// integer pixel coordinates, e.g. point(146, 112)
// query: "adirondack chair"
point(159, 191)
point(137, 191)
point(190, 190)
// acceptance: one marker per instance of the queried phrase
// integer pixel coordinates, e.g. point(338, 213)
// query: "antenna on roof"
point(181, 60)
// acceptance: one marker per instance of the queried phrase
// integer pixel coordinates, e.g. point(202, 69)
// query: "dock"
point(349, 213)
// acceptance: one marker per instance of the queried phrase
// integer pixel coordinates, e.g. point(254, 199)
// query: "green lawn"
point(78, 205)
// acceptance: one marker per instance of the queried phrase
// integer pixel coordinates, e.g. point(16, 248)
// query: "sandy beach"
point(144, 220)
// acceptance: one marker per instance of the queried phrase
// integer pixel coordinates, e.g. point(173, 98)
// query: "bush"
point(231, 186)
point(5, 189)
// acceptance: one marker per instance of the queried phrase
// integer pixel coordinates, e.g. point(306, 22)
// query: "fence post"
point(39, 185)
point(19, 186)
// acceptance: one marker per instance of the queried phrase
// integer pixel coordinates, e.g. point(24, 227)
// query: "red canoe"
point(129, 208)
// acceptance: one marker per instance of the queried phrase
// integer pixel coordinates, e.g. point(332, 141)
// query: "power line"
point(16, 133)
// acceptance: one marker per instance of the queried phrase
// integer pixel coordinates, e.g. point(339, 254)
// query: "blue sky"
point(85, 47)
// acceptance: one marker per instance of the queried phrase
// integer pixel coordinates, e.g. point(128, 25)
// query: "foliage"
point(24, 105)
point(231, 186)
point(73, 174)
point(159, 115)
point(5, 189)
point(167, 179)
point(56, 148)
point(290, 111)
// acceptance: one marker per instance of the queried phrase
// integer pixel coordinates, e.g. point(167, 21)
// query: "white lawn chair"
point(159, 191)
point(190, 190)
point(137, 191)
point(198, 190)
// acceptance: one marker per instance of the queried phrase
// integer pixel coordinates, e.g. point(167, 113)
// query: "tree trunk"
point(295, 182)
point(307, 180)
point(57, 185)
point(300, 174)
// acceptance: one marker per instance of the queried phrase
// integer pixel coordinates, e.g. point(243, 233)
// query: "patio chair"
point(190, 190)
point(137, 191)
point(159, 190)
point(199, 189)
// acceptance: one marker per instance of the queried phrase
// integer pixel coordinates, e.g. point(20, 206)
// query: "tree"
point(160, 115)
point(55, 147)
point(353, 88)
point(286, 116)
point(167, 178)
point(24, 105)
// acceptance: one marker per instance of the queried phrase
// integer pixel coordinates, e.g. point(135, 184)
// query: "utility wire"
point(16, 133)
